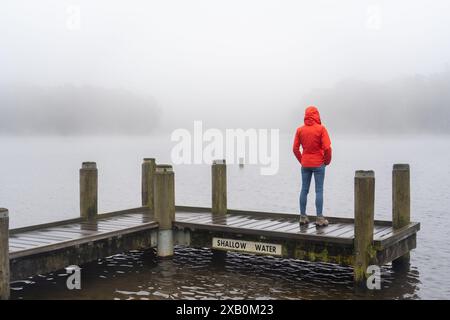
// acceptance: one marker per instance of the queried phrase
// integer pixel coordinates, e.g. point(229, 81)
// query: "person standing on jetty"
point(315, 156)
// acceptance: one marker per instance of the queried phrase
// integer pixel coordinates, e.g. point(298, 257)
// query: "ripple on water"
point(199, 274)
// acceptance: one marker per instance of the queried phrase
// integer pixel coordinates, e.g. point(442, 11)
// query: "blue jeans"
point(319, 177)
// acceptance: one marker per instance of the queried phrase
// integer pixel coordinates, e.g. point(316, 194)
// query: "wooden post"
point(164, 200)
point(401, 204)
point(4, 254)
point(364, 221)
point(219, 187)
point(88, 190)
point(148, 172)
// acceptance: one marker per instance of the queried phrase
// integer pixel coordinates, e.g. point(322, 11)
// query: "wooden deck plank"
point(117, 222)
point(201, 219)
point(333, 220)
point(90, 225)
point(379, 229)
point(266, 233)
point(80, 240)
point(43, 240)
point(78, 231)
point(338, 231)
point(47, 234)
point(259, 225)
point(252, 222)
point(68, 235)
point(130, 219)
point(347, 231)
point(241, 223)
point(225, 220)
point(195, 218)
point(18, 245)
point(25, 240)
point(280, 226)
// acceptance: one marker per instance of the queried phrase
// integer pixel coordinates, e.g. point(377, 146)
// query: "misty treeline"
point(72, 109)
point(414, 104)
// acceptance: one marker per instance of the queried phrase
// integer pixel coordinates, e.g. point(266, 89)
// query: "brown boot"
point(321, 222)
point(304, 220)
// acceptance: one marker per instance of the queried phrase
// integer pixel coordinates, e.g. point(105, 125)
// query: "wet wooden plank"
point(251, 222)
point(48, 234)
point(281, 226)
point(398, 235)
point(378, 229)
point(83, 239)
point(28, 239)
point(18, 245)
point(275, 215)
point(265, 233)
point(200, 219)
point(97, 226)
point(226, 220)
point(115, 222)
point(67, 235)
point(129, 220)
point(265, 223)
point(195, 217)
point(241, 223)
point(38, 239)
point(25, 242)
point(385, 233)
point(340, 231)
point(77, 231)
point(347, 232)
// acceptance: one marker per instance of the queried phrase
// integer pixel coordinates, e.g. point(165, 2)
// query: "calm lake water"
point(39, 183)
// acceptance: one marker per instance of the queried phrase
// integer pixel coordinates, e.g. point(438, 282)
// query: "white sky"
point(230, 60)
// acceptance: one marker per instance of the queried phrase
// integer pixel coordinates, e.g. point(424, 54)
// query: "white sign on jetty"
point(247, 246)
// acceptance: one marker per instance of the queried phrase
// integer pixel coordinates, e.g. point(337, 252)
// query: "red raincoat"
point(314, 139)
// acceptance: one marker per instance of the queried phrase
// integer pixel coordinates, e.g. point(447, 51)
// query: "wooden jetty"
point(159, 224)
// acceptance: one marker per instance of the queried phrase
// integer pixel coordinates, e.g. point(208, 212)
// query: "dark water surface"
point(40, 184)
point(200, 274)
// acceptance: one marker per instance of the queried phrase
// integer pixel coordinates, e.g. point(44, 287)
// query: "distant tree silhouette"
point(75, 110)
point(417, 104)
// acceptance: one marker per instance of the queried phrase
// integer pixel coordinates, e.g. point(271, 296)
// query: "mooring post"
point(401, 205)
point(88, 190)
point(219, 187)
point(4, 254)
point(148, 172)
point(164, 212)
point(364, 222)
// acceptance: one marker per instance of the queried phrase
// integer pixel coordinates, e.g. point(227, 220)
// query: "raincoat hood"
point(312, 116)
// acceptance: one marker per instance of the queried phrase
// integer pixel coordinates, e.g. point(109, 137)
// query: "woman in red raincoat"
point(315, 155)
